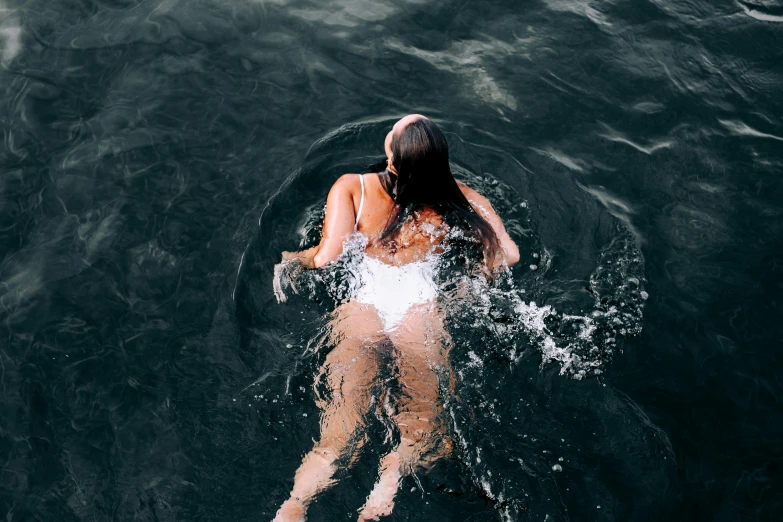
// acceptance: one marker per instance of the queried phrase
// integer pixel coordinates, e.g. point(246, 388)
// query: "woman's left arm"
point(482, 205)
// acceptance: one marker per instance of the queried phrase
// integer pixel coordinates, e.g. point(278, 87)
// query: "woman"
point(403, 217)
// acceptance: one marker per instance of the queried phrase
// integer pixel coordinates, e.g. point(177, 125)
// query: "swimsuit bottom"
point(394, 289)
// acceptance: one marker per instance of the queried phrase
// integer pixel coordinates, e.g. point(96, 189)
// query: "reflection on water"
point(157, 155)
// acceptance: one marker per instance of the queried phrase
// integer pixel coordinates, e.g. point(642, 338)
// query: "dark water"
point(158, 155)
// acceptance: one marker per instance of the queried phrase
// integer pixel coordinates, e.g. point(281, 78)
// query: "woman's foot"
point(380, 503)
point(292, 510)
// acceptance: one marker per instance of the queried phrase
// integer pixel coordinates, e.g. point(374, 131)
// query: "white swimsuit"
point(393, 289)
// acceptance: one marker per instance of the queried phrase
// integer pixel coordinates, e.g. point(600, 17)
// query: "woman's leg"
point(350, 372)
point(420, 352)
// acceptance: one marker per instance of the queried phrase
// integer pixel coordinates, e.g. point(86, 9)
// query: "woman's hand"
point(287, 269)
point(306, 257)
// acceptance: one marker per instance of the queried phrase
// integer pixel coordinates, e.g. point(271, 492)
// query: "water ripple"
point(617, 136)
point(761, 12)
point(743, 129)
point(10, 34)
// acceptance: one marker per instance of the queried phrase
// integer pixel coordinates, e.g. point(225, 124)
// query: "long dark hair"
point(420, 156)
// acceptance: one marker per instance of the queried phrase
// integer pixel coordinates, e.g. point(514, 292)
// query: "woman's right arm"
point(338, 225)
point(509, 249)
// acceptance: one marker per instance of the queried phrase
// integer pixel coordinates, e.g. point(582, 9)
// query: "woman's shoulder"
point(466, 190)
point(354, 181)
point(473, 196)
point(347, 182)
point(347, 185)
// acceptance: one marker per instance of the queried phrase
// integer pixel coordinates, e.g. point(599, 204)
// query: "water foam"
point(581, 343)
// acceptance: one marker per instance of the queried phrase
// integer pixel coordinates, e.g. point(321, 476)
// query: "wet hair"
point(424, 180)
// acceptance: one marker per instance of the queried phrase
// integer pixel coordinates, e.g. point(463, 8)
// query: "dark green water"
point(158, 155)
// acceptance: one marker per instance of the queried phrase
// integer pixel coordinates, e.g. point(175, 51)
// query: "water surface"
point(157, 155)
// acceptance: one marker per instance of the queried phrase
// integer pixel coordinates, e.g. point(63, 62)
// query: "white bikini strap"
point(361, 203)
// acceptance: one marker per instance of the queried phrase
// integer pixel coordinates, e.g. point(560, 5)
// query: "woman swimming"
point(403, 216)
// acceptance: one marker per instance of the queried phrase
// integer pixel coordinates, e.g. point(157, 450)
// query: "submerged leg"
point(421, 361)
point(350, 372)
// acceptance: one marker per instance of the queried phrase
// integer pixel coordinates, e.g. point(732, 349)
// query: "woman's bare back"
point(420, 235)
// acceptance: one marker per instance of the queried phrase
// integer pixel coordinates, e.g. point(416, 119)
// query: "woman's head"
point(398, 130)
point(420, 177)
